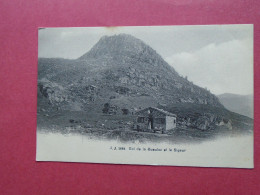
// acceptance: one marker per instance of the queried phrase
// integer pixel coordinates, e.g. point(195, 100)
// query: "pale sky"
point(219, 57)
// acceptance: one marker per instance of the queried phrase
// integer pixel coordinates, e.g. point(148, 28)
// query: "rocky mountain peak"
point(119, 45)
point(124, 69)
point(122, 73)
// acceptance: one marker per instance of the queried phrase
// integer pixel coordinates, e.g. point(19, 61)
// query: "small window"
point(174, 121)
point(140, 119)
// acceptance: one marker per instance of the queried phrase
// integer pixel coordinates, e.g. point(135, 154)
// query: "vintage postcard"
point(150, 95)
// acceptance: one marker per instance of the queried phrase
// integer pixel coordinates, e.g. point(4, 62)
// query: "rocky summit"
point(123, 73)
point(121, 68)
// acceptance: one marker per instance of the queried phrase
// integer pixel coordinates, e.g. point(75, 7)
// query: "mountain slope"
point(121, 71)
point(122, 65)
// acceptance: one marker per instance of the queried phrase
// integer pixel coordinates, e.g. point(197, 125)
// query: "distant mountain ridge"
point(241, 104)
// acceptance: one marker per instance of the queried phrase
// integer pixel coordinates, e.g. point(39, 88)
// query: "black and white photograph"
point(146, 95)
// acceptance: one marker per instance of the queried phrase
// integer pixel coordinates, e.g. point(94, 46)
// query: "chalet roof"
point(159, 110)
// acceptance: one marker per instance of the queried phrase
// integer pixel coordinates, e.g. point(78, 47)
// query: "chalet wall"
point(170, 122)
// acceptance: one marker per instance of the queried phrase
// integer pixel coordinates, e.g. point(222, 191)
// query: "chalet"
point(154, 119)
